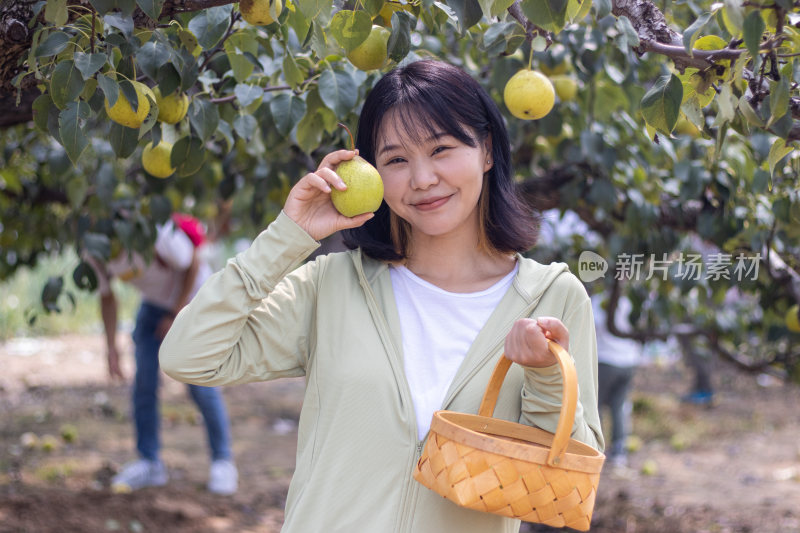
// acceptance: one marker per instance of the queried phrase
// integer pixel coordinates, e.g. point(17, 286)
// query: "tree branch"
point(515, 10)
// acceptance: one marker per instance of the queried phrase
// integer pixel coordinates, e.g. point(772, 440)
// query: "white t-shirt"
point(159, 282)
point(613, 350)
point(438, 327)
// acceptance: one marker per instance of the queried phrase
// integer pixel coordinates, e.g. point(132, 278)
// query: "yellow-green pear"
point(364, 192)
point(372, 53)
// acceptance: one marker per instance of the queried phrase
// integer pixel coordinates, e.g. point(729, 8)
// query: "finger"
point(555, 330)
point(356, 221)
point(318, 182)
point(332, 178)
point(334, 158)
point(534, 337)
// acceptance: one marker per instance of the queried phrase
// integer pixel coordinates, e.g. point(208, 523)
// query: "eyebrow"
point(435, 136)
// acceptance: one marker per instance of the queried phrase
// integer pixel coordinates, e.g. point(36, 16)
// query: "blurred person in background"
point(166, 283)
point(617, 361)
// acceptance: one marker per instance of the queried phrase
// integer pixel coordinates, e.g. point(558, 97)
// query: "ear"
point(488, 162)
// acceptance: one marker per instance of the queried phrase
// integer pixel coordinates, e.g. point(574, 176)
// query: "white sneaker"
point(140, 474)
point(223, 478)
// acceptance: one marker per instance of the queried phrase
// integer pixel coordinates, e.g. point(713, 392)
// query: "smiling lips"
point(429, 204)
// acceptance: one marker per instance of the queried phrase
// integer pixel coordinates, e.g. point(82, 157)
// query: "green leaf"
point(84, 276)
point(495, 39)
point(129, 91)
point(97, 245)
point(204, 117)
point(54, 44)
point(247, 94)
point(188, 155)
point(168, 79)
point(548, 14)
point(691, 33)
point(778, 99)
point(662, 103)
point(778, 151)
point(749, 113)
point(151, 56)
point(123, 140)
point(627, 38)
point(41, 108)
point(109, 87)
point(602, 8)
point(151, 119)
point(72, 127)
point(77, 187)
point(338, 91)
point(245, 126)
point(188, 39)
point(577, 10)
point(609, 99)
point(292, 72)
point(236, 46)
point(103, 7)
point(56, 12)
point(468, 12)
point(733, 16)
point(51, 292)
point(105, 182)
point(122, 22)
point(727, 103)
point(189, 70)
point(151, 8)
point(753, 28)
point(309, 132)
point(399, 43)
point(88, 64)
point(287, 110)
point(317, 10)
point(350, 28)
point(210, 25)
point(160, 208)
point(373, 7)
point(66, 83)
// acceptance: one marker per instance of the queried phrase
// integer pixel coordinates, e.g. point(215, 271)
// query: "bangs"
point(416, 122)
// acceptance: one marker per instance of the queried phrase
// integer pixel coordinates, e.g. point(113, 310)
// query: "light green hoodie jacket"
point(334, 321)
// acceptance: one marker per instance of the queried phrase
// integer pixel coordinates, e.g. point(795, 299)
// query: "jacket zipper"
point(406, 502)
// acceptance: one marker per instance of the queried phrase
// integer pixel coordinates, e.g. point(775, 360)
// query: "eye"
point(440, 149)
point(394, 160)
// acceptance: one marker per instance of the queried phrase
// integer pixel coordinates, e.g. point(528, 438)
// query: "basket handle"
point(569, 399)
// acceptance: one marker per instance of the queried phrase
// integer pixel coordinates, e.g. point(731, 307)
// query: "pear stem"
point(352, 142)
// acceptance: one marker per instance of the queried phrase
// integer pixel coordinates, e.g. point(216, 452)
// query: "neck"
point(455, 264)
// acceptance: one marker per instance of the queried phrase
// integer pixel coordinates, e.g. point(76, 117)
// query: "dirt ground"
point(733, 468)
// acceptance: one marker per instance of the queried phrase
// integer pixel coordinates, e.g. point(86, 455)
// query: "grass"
point(20, 300)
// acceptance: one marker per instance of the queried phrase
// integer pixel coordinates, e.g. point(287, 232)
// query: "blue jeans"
point(614, 385)
point(145, 393)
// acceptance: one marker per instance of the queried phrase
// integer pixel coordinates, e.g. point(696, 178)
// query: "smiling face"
point(431, 179)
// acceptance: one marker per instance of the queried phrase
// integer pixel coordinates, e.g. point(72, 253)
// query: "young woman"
point(411, 320)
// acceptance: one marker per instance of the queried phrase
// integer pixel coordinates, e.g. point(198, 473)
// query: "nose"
point(423, 175)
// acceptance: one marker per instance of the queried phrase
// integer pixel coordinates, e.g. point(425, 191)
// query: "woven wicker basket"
point(511, 469)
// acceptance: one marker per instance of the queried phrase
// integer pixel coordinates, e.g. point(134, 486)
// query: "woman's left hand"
point(526, 343)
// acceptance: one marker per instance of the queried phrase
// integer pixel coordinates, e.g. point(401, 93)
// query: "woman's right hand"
point(309, 202)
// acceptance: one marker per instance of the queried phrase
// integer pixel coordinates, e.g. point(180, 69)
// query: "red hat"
point(192, 227)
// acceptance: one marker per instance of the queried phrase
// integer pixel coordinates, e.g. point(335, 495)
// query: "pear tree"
point(672, 135)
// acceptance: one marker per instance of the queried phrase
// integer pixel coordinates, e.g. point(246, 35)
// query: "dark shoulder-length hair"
point(430, 96)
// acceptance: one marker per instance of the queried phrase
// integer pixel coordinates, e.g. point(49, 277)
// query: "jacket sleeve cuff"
point(278, 250)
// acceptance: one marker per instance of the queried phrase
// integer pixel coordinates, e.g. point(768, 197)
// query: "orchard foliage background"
point(682, 133)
